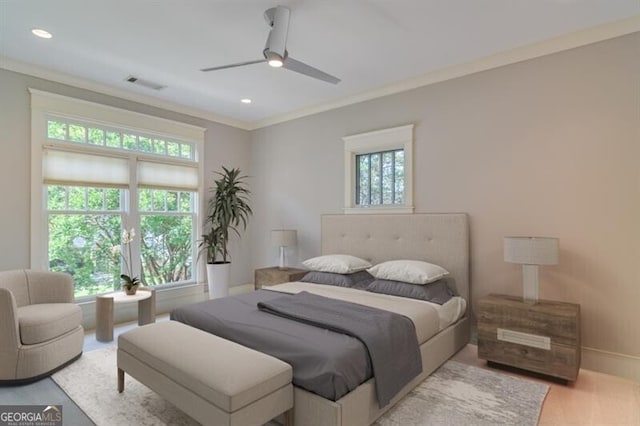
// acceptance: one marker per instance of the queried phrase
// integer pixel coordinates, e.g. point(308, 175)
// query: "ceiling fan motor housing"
point(277, 39)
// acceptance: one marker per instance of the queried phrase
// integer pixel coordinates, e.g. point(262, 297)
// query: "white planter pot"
point(218, 279)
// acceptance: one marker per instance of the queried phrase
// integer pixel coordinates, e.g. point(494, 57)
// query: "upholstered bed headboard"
point(440, 238)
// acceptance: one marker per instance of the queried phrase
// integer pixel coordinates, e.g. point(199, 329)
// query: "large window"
point(166, 224)
point(378, 173)
point(84, 224)
point(99, 178)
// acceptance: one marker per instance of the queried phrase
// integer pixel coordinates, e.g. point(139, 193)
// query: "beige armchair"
point(40, 326)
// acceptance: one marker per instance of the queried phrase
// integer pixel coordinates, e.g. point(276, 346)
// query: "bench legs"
point(120, 380)
point(288, 417)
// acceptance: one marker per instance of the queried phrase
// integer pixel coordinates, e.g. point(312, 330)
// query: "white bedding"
point(428, 318)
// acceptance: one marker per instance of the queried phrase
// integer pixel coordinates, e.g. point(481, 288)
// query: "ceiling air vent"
point(145, 83)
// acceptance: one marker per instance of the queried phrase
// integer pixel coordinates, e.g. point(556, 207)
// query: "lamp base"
point(530, 284)
point(282, 264)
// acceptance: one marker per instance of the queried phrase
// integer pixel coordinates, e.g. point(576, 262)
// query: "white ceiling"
point(369, 44)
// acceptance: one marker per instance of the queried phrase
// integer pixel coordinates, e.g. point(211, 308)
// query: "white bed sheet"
point(428, 318)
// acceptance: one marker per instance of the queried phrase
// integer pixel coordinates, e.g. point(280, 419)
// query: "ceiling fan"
point(275, 50)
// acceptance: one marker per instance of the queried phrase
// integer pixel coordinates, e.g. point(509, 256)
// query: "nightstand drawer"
point(557, 320)
point(558, 361)
point(542, 337)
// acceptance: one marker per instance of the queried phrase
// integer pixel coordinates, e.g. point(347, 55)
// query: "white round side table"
point(146, 298)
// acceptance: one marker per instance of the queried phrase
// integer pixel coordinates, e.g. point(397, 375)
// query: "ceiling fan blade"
point(239, 64)
point(308, 70)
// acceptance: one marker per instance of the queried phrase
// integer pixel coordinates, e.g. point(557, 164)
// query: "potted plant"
point(228, 211)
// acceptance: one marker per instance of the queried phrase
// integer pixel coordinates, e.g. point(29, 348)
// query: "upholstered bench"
point(215, 381)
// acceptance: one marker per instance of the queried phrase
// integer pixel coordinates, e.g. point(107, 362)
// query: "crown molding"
point(61, 104)
point(68, 79)
point(519, 54)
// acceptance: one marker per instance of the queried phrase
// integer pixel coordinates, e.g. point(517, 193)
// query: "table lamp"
point(283, 238)
point(531, 252)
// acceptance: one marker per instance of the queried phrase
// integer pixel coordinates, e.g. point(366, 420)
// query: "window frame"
point(389, 139)
point(46, 106)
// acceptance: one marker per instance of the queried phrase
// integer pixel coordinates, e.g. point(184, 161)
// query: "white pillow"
point(409, 271)
point(337, 263)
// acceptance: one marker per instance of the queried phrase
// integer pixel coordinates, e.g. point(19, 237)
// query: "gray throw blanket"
point(390, 338)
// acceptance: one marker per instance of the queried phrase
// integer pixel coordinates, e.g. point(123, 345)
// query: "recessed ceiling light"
point(41, 33)
point(245, 101)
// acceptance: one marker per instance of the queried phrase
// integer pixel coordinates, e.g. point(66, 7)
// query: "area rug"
point(456, 394)
point(459, 394)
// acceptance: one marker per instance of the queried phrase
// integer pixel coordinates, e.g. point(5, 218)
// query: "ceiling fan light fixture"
point(274, 59)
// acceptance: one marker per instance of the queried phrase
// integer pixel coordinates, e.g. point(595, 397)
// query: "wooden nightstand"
point(271, 276)
point(543, 337)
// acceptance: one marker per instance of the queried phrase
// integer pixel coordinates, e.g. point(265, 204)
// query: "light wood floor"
point(593, 399)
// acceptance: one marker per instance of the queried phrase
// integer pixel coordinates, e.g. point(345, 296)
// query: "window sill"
point(379, 210)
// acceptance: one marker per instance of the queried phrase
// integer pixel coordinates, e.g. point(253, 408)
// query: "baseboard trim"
point(617, 364)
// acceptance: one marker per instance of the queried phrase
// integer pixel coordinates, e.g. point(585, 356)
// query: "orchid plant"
point(128, 281)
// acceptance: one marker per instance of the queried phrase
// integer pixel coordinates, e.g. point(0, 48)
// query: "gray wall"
point(223, 145)
point(548, 147)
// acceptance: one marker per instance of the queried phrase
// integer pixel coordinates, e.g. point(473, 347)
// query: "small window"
point(378, 171)
point(380, 178)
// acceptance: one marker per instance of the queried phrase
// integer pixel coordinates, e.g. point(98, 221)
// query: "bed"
point(442, 239)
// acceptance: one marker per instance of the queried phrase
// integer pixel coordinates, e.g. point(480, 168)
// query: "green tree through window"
point(84, 224)
point(85, 227)
point(166, 223)
point(380, 178)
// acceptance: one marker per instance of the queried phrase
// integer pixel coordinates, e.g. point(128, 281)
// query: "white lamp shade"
point(284, 237)
point(531, 250)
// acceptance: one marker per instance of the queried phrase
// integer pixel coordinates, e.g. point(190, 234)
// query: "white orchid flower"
point(128, 235)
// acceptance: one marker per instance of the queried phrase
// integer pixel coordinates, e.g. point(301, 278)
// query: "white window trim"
point(44, 104)
point(380, 140)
